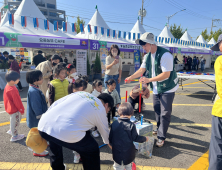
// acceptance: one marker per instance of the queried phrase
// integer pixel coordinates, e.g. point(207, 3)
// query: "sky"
point(123, 14)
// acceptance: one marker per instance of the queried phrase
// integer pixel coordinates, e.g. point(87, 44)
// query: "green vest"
point(61, 88)
point(165, 85)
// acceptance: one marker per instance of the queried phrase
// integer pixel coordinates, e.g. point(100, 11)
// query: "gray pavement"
point(183, 146)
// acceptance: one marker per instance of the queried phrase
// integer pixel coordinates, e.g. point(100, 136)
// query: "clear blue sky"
point(197, 17)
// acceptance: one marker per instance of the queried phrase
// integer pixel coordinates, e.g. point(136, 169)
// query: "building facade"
point(47, 7)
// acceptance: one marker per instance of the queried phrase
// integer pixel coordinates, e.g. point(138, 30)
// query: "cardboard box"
point(146, 129)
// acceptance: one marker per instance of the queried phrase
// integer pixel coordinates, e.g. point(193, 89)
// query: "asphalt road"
point(183, 146)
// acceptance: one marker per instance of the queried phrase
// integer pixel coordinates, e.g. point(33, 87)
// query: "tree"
point(217, 33)
point(97, 66)
point(88, 66)
point(176, 31)
point(78, 22)
point(205, 35)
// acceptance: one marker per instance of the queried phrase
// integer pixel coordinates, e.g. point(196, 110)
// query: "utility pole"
point(214, 20)
point(142, 12)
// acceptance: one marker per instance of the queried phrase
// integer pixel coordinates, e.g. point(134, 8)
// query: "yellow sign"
point(26, 54)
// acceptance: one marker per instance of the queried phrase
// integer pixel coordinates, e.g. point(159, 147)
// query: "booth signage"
point(81, 62)
point(137, 59)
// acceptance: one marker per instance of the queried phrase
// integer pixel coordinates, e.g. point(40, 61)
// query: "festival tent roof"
point(166, 33)
point(137, 28)
point(98, 21)
point(29, 9)
point(186, 37)
point(212, 41)
point(201, 40)
point(5, 18)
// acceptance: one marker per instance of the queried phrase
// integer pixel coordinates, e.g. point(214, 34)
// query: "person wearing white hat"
point(215, 151)
point(158, 66)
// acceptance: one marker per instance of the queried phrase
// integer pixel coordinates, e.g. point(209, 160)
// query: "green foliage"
point(78, 22)
point(177, 31)
point(204, 34)
point(88, 66)
point(97, 66)
point(4, 65)
point(214, 34)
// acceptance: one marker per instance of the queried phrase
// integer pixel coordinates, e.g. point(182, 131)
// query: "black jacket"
point(122, 135)
point(38, 59)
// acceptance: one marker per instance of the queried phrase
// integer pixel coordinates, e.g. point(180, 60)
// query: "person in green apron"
point(215, 151)
point(158, 67)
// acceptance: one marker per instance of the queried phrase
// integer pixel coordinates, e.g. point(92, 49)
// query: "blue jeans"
point(115, 77)
point(202, 67)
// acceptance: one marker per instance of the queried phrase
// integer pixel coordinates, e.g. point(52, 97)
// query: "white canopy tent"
point(186, 37)
point(212, 41)
point(201, 40)
point(5, 18)
point(97, 20)
point(137, 29)
point(165, 35)
point(29, 9)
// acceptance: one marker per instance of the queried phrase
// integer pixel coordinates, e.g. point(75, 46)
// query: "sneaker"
point(9, 132)
point(155, 132)
point(95, 134)
point(20, 90)
point(44, 153)
point(18, 137)
point(76, 157)
point(30, 149)
point(160, 143)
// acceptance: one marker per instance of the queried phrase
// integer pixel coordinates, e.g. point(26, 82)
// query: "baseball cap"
point(35, 141)
point(146, 38)
point(216, 46)
point(39, 52)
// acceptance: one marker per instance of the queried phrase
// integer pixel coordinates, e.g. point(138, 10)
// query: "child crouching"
point(135, 94)
point(124, 150)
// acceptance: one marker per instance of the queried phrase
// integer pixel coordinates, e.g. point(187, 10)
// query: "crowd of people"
point(79, 111)
point(194, 63)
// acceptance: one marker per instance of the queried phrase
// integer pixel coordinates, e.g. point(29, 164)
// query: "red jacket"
point(12, 100)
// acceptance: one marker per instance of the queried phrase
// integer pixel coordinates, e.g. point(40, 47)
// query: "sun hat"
point(35, 141)
point(216, 46)
point(147, 38)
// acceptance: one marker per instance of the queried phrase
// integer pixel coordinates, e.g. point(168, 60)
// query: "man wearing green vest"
point(215, 151)
point(158, 66)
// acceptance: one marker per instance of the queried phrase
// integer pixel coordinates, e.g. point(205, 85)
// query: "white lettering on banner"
point(47, 40)
point(194, 50)
point(81, 62)
point(125, 46)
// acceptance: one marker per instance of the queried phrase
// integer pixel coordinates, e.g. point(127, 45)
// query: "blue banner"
point(137, 59)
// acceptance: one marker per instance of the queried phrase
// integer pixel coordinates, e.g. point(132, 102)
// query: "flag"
point(102, 31)
point(89, 29)
point(36, 23)
point(56, 28)
point(155, 38)
point(134, 36)
point(95, 30)
point(46, 24)
point(11, 20)
point(119, 34)
point(64, 26)
point(124, 35)
point(129, 35)
point(114, 33)
point(108, 32)
point(73, 28)
point(23, 21)
point(82, 28)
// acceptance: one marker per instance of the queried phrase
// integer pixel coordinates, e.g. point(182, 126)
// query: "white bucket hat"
point(146, 37)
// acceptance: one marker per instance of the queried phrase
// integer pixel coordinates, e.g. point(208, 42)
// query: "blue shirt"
point(36, 106)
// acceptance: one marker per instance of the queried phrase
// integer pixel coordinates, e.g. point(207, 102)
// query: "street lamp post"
point(169, 17)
